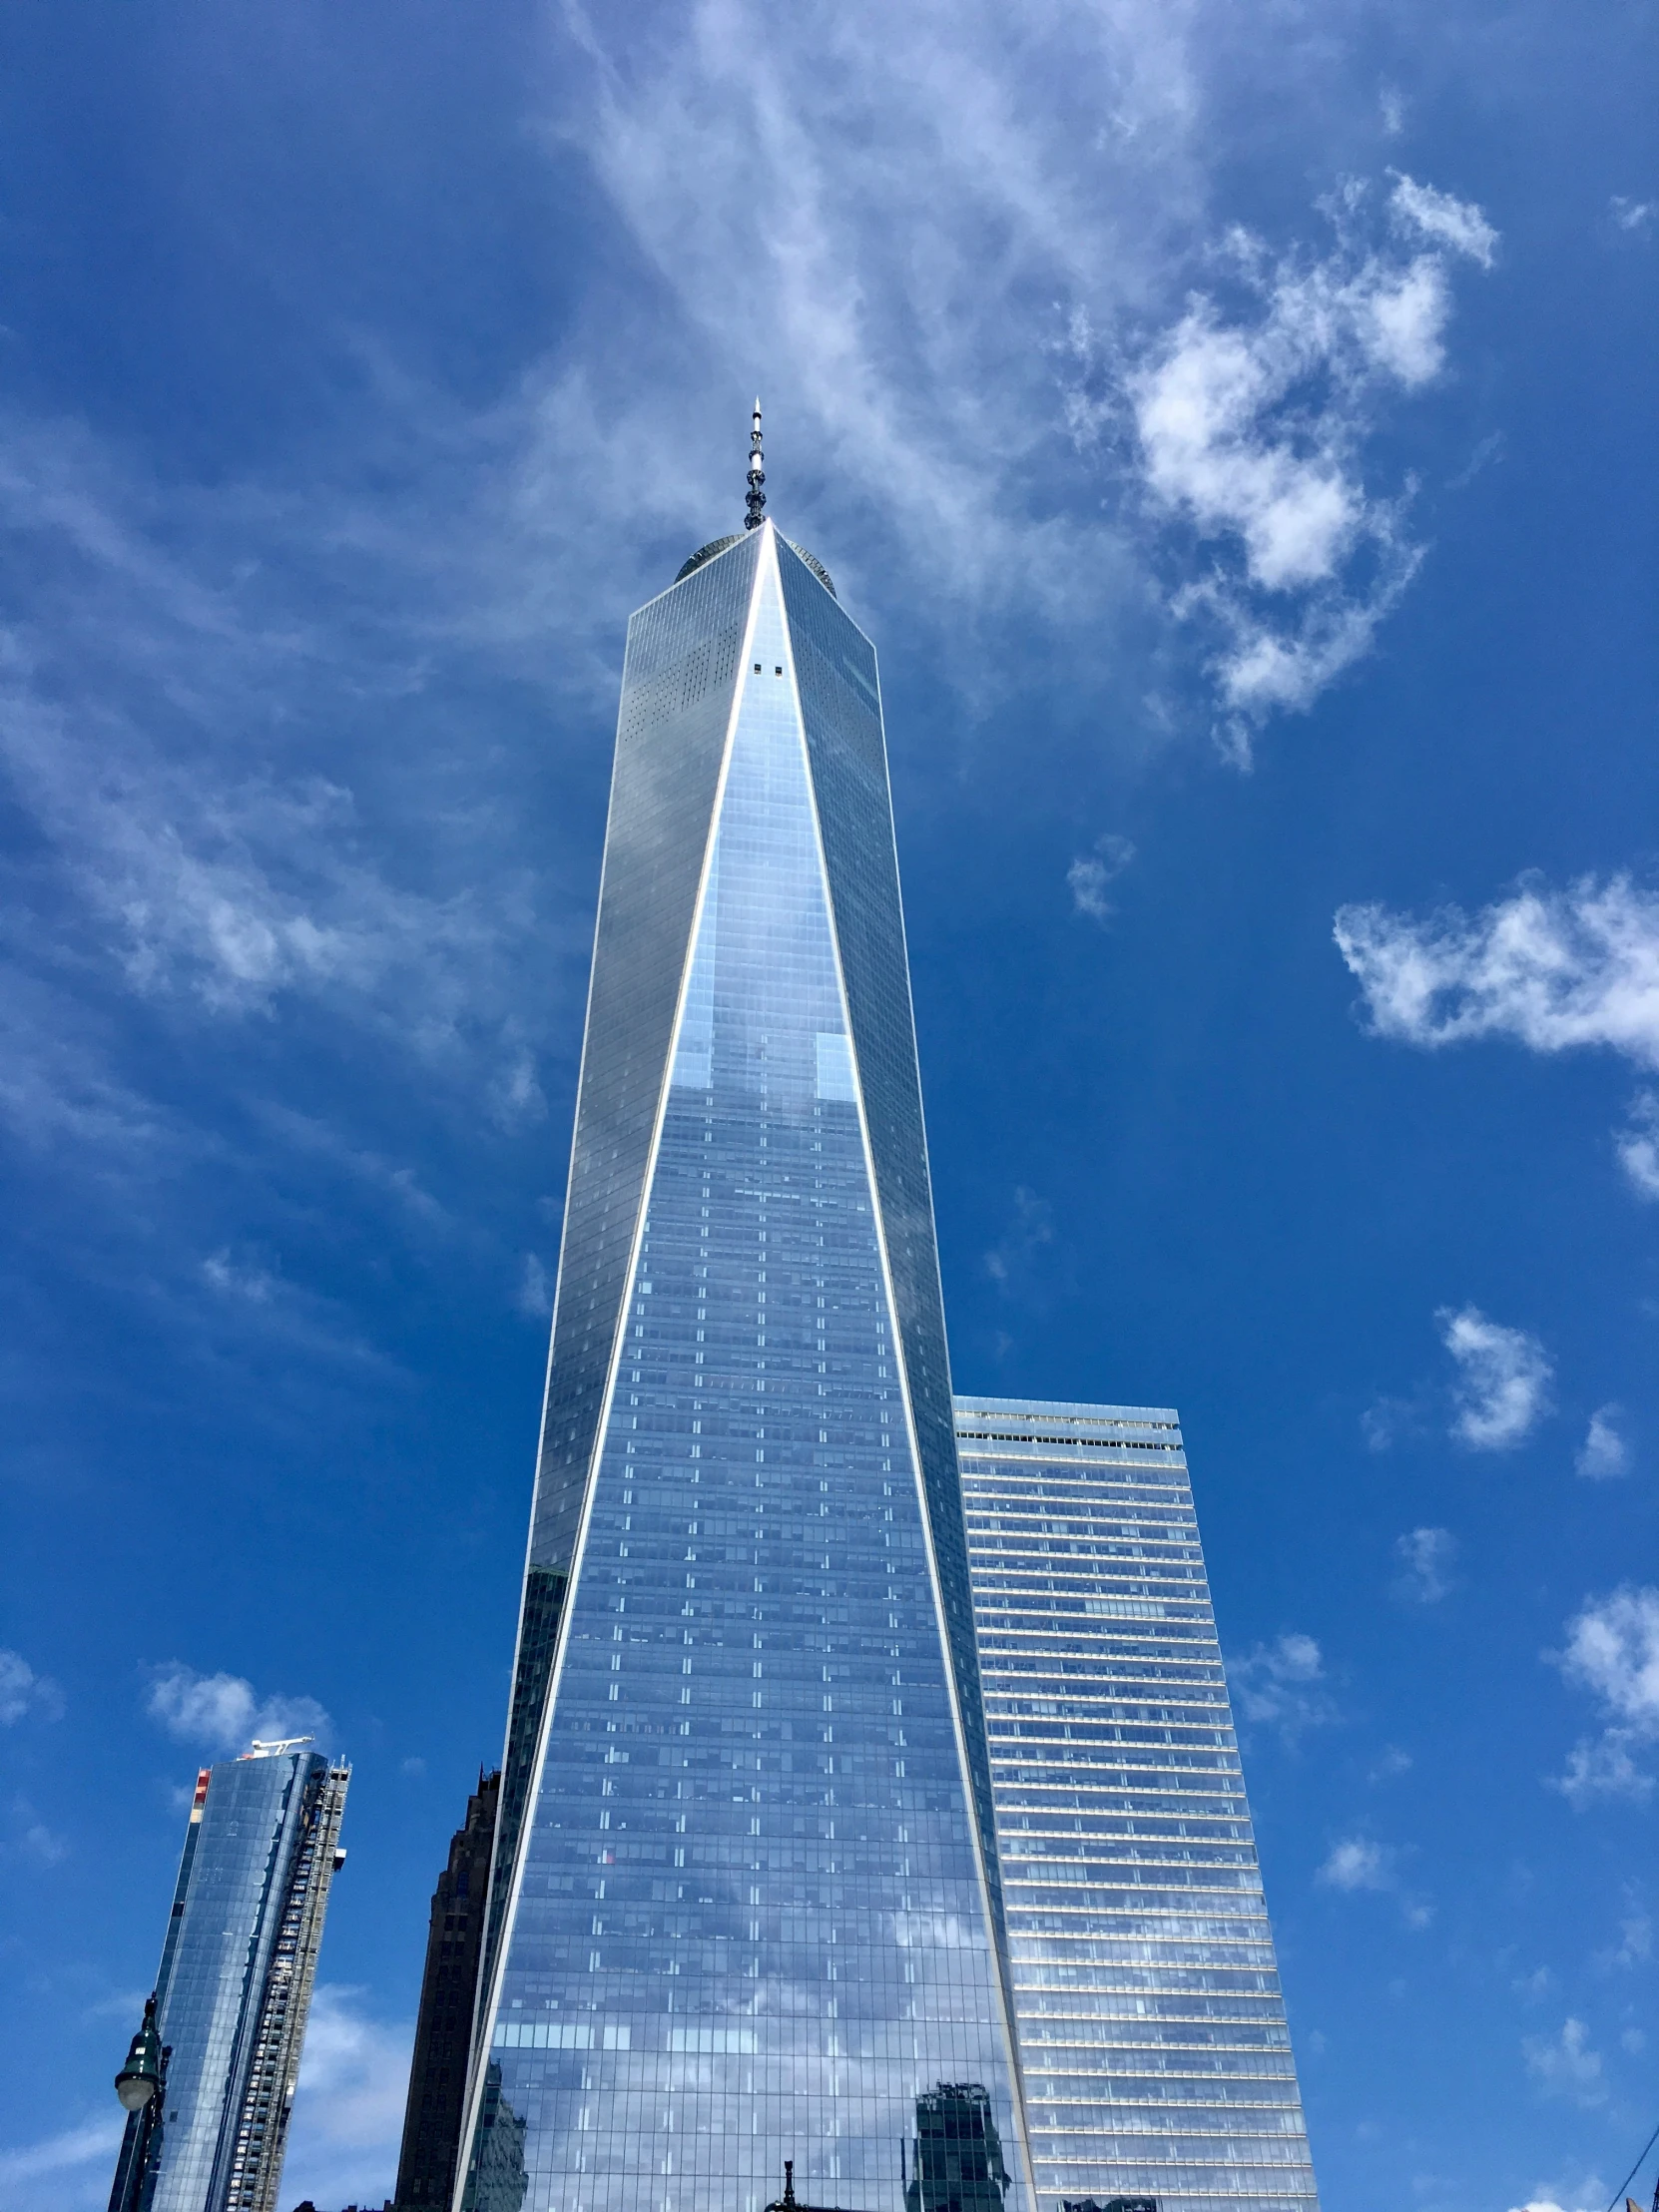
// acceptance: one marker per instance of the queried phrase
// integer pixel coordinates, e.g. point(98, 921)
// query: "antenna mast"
point(756, 498)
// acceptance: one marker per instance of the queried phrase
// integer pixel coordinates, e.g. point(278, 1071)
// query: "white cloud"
point(1604, 1451)
point(1503, 1382)
point(1456, 223)
point(1635, 215)
point(1429, 1556)
point(1565, 2066)
point(1553, 969)
point(23, 1691)
point(1635, 1945)
point(1638, 1146)
point(898, 315)
point(535, 1289)
point(348, 2108)
point(1358, 1864)
point(1033, 1228)
point(223, 1712)
point(1091, 872)
point(1250, 430)
point(1612, 1651)
point(1282, 1684)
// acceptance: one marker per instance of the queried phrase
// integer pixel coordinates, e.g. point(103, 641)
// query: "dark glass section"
point(841, 705)
point(956, 2154)
point(501, 2179)
point(538, 1636)
point(677, 690)
point(675, 704)
point(448, 1995)
point(751, 1921)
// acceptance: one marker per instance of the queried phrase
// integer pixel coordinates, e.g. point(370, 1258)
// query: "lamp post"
point(142, 2087)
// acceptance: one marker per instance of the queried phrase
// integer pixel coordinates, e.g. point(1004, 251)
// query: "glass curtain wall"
point(1151, 2025)
point(235, 1983)
point(751, 1918)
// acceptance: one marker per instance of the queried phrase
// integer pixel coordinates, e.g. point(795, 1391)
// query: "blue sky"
point(1234, 426)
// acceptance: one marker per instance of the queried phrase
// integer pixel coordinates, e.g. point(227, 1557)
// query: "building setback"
point(745, 1905)
point(235, 1984)
point(1152, 2030)
point(448, 1993)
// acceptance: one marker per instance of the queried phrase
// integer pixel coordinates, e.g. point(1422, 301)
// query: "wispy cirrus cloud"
point(1010, 280)
point(1503, 1380)
point(69, 2151)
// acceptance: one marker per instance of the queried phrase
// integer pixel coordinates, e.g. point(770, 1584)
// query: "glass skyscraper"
point(745, 1904)
point(235, 1984)
point(1156, 2055)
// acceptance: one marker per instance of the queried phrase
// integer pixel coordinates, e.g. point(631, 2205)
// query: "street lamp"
point(142, 2087)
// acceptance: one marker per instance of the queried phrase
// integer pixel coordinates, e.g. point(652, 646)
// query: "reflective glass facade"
point(235, 1983)
point(1156, 2055)
point(746, 1913)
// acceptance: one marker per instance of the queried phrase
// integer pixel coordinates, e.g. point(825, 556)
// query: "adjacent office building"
point(448, 1995)
point(1156, 2055)
point(235, 1984)
point(746, 1901)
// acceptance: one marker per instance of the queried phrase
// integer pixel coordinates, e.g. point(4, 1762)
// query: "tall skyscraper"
point(1156, 2053)
point(235, 1984)
point(448, 1998)
point(746, 1903)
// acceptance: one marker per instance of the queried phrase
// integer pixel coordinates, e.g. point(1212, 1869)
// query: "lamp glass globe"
point(135, 2090)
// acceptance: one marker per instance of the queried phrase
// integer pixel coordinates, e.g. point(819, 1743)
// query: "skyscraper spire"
point(756, 500)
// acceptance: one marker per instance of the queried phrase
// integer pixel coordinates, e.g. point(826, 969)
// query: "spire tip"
point(754, 499)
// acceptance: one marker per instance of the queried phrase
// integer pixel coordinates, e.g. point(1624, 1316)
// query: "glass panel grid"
point(750, 1925)
point(1152, 2030)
